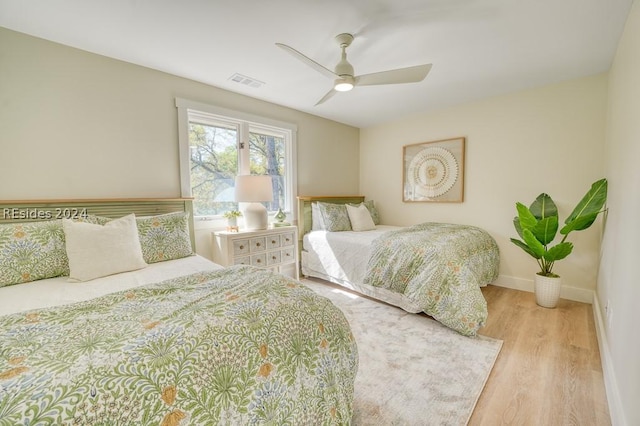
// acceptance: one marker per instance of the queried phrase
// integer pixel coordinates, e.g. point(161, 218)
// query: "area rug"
point(412, 370)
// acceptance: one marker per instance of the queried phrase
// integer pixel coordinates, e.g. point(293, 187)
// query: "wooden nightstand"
point(269, 248)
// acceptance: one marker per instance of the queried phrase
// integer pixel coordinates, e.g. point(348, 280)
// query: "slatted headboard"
point(304, 208)
point(35, 210)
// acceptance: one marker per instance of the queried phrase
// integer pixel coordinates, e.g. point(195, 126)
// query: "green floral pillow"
point(335, 217)
point(32, 251)
point(164, 237)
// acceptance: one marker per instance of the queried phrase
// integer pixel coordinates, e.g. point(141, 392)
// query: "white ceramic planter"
point(547, 290)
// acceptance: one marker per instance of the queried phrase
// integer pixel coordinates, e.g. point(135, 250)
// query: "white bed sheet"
point(342, 257)
point(60, 291)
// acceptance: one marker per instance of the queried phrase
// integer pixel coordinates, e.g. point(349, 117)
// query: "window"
point(217, 144)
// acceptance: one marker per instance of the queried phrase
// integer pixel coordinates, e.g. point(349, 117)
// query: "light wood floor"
point(548, 372)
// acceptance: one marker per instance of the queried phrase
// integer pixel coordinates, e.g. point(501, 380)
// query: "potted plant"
point(538, 224)
point(232, 219)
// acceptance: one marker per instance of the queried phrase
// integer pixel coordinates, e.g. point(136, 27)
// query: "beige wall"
point(618, 284)
point(79, 125)
point(544, 140)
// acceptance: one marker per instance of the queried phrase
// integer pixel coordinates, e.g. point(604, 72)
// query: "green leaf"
point(526, 218)
point(534, 245)
point(543, 207)
point(546, 229)
point(583, 222)
point(558, 252)
point(591, 203)
point(524, 247)
point(516, 224)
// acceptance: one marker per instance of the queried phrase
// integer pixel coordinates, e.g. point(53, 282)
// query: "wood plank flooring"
point(548, 372)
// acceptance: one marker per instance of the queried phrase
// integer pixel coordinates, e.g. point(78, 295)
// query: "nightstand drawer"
point(288, 255)
point(273, 257)
point(273, 241)
point(258, 244)
point(259, 260)
point(245, 260)
point(287, 239)
point(240, 247)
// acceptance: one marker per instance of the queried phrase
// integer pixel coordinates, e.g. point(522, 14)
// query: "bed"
point(177, 340)
point(435, 268)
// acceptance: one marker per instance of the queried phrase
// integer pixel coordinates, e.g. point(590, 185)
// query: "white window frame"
point(244, 121)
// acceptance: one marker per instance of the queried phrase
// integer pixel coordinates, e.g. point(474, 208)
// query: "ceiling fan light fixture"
point(343, 84)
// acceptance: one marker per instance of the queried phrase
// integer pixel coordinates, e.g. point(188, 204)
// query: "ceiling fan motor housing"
point(344, 68)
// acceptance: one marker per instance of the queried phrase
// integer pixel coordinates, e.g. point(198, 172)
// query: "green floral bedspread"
point(440, 267)
point(235, 346)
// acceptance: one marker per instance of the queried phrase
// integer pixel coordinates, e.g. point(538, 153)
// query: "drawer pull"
point(257, 244)
point(273, 258)
point(241, 246)
point(287, 254)
point(273, 241)
point(258, 261)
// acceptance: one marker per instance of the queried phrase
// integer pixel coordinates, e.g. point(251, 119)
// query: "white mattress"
point(61, 291)
point(341, 257)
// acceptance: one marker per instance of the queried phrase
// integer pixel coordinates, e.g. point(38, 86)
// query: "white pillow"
point(360, 218)
point(100, 250)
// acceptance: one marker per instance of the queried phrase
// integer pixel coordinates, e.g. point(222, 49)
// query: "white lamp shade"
point(252, 190)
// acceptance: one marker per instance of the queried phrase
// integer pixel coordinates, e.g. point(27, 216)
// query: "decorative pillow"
point(100, 250)
point(165, 237)
point(32, 251)
point(317, 224)
point(97, 220)
point(360, 218)
point(373, 211)
point(335, 217)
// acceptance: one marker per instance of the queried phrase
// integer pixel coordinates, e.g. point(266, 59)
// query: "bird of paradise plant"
point(538, 225)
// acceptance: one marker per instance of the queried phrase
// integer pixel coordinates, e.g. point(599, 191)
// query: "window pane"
point(267, 157)
point(214, 164)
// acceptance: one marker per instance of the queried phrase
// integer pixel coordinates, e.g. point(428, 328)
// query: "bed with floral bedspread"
point(440, 267)
point(237, 345)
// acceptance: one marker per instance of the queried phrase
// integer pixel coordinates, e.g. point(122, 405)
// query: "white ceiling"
point(478, 48)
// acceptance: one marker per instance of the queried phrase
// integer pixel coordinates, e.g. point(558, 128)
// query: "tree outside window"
point(216, 157)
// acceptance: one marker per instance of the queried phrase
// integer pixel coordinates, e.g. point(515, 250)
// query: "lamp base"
point(255, 217)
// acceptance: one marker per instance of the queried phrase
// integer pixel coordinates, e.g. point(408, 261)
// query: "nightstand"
point(268, 248)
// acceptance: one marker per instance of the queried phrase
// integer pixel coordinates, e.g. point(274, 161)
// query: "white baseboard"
point(570, 293)
point(610, 384)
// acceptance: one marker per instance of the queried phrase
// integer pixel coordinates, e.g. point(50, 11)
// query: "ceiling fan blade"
point(401, 75)
point(326, 97)
point(313, 64)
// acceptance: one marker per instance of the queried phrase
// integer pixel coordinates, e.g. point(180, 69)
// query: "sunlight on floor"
point(345, 293)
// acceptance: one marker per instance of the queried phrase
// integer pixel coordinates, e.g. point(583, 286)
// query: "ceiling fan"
point(343, 74)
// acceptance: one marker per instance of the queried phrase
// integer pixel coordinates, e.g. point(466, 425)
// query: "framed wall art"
point(434, 171)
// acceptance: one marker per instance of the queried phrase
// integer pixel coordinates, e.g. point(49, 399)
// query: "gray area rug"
point(413, 370)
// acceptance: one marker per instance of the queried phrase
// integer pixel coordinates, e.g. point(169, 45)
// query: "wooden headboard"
point(304, 208)
point(36, 210)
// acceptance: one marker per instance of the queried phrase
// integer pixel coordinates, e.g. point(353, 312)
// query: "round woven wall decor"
point(432, 172)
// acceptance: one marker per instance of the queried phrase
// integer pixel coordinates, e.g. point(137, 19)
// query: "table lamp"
point(252, 190)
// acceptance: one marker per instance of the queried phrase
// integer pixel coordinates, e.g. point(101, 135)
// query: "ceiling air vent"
point(246, 81)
